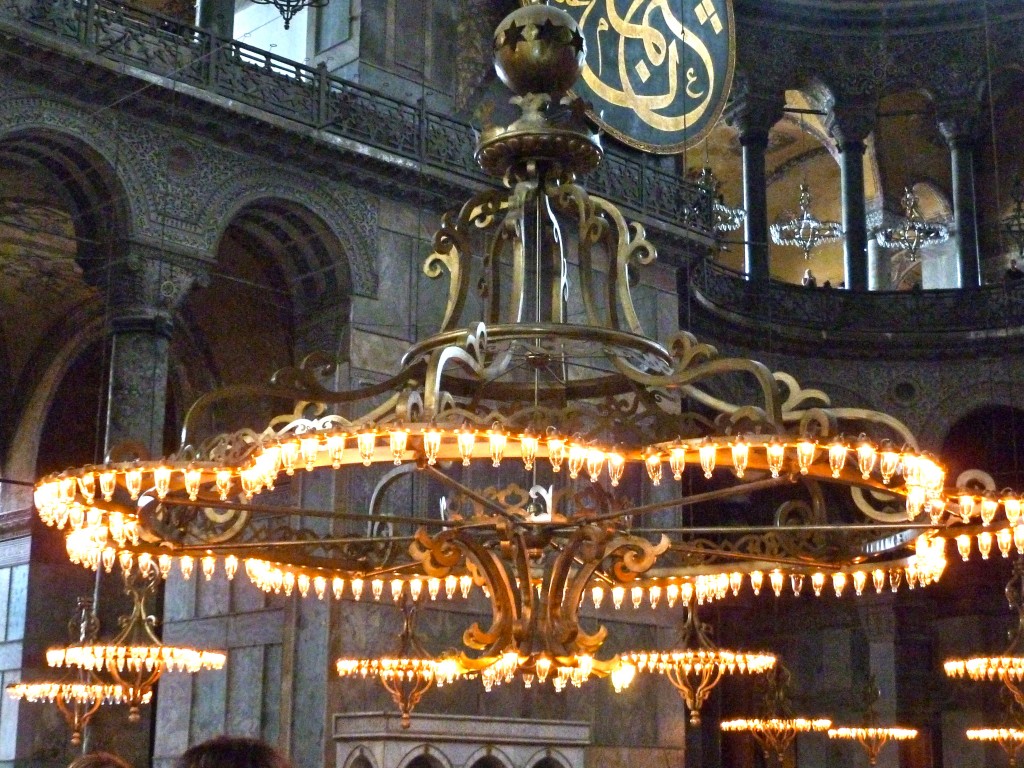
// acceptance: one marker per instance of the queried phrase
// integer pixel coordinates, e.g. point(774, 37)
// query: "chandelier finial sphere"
point(538, 49)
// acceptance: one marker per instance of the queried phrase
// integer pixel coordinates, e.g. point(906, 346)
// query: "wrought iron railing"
point(988, 309)
point(311, 96)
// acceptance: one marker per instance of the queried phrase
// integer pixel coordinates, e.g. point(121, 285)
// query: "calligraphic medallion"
point(657, 72)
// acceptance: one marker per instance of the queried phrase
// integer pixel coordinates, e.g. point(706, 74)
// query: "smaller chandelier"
point(1012, 225)
point(802, 229)
point(410, 672)
point(136, 658)
point(914, 233)
point(778, 729)
point(871, 736)
point(289, 9)
point(1011, 740)
point(726, 218)
point(697, 665)
point(1008, 667)
point(80, 693)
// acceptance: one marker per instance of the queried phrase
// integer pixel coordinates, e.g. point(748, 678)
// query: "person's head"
point(99, 760)
point(808, 273)
point(232, 752)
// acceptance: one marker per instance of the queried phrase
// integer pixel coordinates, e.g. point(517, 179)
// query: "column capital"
point(754, 114)
point(851, 122)
point(958, 123)
point(145, 285)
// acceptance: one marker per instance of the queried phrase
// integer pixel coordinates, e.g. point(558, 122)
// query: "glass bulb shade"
point(193, 479)
point(775, 452)
point(616, 466)
point(556, 452)
point(653, 465)
point(866, 456)
point(837, 456)
point(1012, 508)
point(805, 453)
point(289, 456)
point(1004, 539)
point(466, 439)
point(740, 456)
point(860, 580)
point(133, 482)
point(577, 458)
point(776, 578)
point(87, 486)
point(817, 582)
point(398, 440)
point(162, 481)
point(309, 449)
point(967, 505)
point(431, 444)
point(708, 453)
point(677, 461)
point(377, 588)
point(622, 676)
point(498, 440)
point(594, 463)
point(528, 445)
point(223, 481)
point(888, 463)
point(985, 544)
point(839, 583)
point(756, 581)
point(366, 443)
point(989, 507)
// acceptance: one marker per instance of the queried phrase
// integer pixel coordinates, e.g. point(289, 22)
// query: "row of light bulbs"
point(320, 448)
point(924, 568)
point(1005, 541)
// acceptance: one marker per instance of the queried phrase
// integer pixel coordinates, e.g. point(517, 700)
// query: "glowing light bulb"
point(398, 440)
point(776, 579)
point(796, 581)
point(223, 483)
point(357, 588)
point(756, 581)
point(466, 439)
point(837, 456)
point(397, 585)
point(133, 482)
point(209, 564)
point(677, 460)
point(817, 582)
point(528, 445)
point(653, 465)
point(193, 477)
point(87, 486)
point(963, 546)
point(989, 507)
point(309, 447)
point(377, 588)
point(497, 439)
point(597, 596)
point(431, 444)
point(289, 456)
point(577, 457)
point(866, 456)
point(637, 596)
point(1011, 506)
point(185, 563)
point(595, 463)
point(839, 583)
point(162, 481)
point(556, 452)
point(985, 544)
point(708, 452)
point(967, 505)
point(936, 509)
point(616, 466)
point(775, 452)
point(740, 456)
point(108, 481)
point(618, 594)
point(805, 453)
point(336, 448)
point(878, 579)
point(1004, 538)
point(230, 566)
point(366, 442)
point(1018, 538)
point(888, 462)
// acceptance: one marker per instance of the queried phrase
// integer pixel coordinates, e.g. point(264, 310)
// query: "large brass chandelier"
point(559, 445)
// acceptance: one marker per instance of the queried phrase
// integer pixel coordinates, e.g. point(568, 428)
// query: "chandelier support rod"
point(300, 512)
point(490, 504)
point(711, 529)
point(698, 498)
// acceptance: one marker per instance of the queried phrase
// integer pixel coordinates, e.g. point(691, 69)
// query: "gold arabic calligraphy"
point(639, 23)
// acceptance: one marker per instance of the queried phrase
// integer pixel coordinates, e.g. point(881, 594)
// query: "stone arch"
point(89, 147)
point(76, 333)
point(548, 758)
point(360, 757)
point(424, 756)
point(351, 220)
point(963, 399)
point(489, 757)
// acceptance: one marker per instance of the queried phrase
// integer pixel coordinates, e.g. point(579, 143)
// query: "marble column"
point(879, 260)
point(850, 125)
point(753, 115)
point(144, 289)
point(957, 127)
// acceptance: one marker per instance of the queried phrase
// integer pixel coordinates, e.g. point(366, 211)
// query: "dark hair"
point(99, 760)
point(232, 752)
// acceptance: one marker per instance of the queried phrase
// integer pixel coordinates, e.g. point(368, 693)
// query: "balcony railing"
point(311, 96)
point(990, 311)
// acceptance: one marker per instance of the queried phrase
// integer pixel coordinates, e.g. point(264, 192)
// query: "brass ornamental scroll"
point(657, 72)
